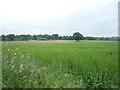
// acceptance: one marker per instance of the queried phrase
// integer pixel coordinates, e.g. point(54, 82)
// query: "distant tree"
point(60, 38)
point(55, 36)
point(29, 37)
point(10, 37)
point(102, 38)
point(34, 37)
point(3, 38)
point(50, 37)
point(47, 36)
point(67, 37)
point(77, 36)
point(70, 37)
point(39, 36)
point(90, 38)
point(64, 37)
point(22, 37)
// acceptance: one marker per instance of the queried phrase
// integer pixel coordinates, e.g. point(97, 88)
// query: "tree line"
point(13, 37)
point(76, 36)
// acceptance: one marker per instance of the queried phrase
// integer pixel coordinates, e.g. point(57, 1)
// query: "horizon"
point(64, 17)
point(59, 35)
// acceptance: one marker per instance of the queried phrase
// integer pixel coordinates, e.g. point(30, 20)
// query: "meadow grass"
point(84, 64)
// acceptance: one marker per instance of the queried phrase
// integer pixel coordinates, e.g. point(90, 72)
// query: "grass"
point(85, 64)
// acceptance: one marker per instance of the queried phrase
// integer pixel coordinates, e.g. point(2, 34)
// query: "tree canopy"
point(77, 36)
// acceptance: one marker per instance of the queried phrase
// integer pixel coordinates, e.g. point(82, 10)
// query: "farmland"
point(84, 64)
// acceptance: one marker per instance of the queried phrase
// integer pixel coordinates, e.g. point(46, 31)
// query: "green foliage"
point(55, 36)
point(34, 37)
point(77, 36)
point(10, 37)
point(89, 64)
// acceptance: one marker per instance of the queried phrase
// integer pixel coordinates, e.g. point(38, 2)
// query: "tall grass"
point(85, 64)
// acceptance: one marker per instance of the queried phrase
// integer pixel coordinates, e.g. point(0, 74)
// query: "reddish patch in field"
point(36, 41)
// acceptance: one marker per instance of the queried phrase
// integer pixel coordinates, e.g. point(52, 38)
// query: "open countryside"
point(59, 44)
point(84, 64)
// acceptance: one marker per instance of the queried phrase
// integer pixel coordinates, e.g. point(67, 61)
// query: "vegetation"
point(87, 64)
point(12, 37)
point(77, 36)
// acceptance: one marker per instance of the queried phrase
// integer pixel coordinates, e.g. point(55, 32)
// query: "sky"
point(63, 17)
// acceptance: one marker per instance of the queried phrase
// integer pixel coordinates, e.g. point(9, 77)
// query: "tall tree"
point(77, 36)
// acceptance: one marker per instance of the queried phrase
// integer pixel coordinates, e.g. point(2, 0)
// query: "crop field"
point(84, 64)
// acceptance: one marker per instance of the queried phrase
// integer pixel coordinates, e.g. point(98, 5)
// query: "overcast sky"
point(89, 17)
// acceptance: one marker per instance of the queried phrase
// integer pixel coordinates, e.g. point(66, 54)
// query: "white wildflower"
point(21, 65)
point(12, 66)
point(21, 68)
point(8, 49)
point(15, 53)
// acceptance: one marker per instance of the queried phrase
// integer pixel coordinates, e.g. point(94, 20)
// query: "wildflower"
point(21, 68)
point(12, 66)
point(44, 68)
point(15, 53)
point(21, 65)
point(8, 49)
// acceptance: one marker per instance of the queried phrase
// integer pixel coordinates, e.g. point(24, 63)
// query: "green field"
point(84, 64)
